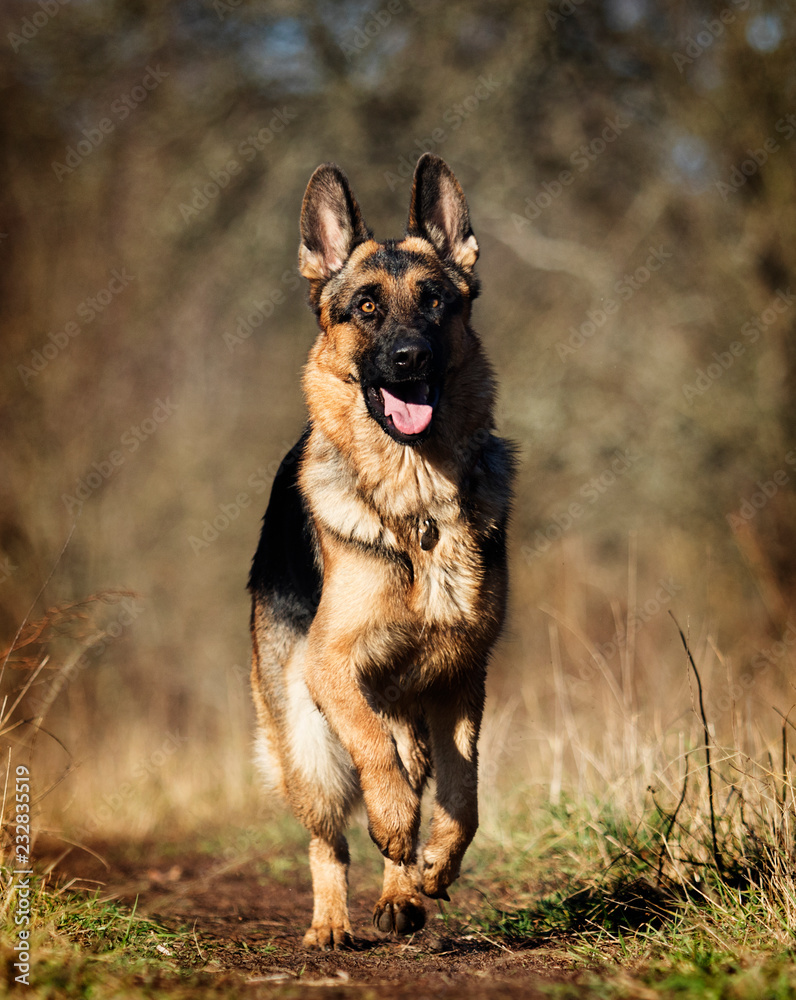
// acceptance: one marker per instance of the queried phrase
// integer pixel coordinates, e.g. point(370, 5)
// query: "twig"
point(783, 716)
point(716, 854)
point(196, 942)
point(495, 944)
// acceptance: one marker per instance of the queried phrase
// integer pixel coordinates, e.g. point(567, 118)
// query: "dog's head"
point(393, 315)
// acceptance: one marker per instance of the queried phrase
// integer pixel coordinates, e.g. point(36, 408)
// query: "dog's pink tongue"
point(408, 417)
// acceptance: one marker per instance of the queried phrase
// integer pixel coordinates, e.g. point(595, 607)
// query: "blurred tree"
point(153, 161)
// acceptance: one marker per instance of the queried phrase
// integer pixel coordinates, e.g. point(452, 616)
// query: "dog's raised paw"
point(436, 876)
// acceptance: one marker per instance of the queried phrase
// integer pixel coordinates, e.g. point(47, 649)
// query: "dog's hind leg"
point(322, 788)
point(298, 754)
point(329, 866)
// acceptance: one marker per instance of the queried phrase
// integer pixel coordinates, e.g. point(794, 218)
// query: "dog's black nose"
point(411, 357)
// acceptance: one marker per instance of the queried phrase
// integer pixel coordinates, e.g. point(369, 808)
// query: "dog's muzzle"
point(402, 397)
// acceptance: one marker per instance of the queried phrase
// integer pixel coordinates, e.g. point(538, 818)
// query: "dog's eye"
point(368, 307)
point(434, 303)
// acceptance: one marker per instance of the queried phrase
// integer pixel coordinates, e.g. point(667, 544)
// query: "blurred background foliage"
point(629, 166)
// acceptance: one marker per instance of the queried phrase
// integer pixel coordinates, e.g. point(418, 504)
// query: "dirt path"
point(250, 925)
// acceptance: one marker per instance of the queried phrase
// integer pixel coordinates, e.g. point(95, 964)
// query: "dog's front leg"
point(393, 805)
point(454, 724)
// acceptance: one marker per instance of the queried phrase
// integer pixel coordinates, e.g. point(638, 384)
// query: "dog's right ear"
point(331, 224)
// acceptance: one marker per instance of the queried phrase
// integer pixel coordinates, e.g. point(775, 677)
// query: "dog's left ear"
point(438, 212)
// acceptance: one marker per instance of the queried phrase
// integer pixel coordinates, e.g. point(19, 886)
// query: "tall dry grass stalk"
point(44, 657)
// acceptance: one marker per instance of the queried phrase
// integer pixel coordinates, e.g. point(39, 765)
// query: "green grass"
point(630, 921)
point(103, 927)
point(86, 947)
point(70, 931)
point(664, 916)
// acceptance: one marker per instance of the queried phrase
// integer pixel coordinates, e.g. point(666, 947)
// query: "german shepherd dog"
point(379, 583)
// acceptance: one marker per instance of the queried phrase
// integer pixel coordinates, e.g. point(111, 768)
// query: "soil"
point(247, 923)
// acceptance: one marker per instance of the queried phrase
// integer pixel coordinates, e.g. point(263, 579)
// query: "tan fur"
point(388, 682)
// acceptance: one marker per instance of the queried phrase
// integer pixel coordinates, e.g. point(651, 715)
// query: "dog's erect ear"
point(438, 212)
point(331, 223)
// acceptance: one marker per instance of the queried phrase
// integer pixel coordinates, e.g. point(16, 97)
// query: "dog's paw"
point(321, 937)
point(394, 821)
point(437, 874)
point(399, 914)
point(397, 845)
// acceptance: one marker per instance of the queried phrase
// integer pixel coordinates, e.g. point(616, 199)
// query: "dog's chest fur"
point(427, 532)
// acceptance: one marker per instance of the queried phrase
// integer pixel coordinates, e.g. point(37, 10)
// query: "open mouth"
point(404, 409)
